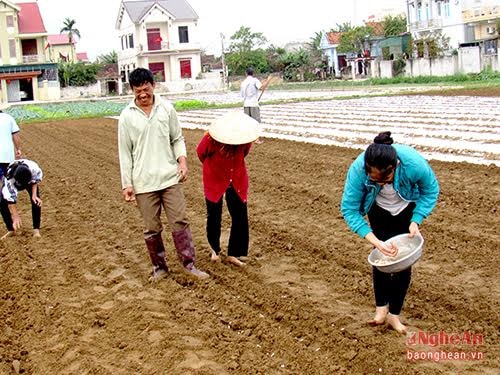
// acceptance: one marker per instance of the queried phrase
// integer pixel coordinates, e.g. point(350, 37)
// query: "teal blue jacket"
point(414, 180)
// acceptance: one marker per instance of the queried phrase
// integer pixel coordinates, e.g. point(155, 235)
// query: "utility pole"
point(224, 67)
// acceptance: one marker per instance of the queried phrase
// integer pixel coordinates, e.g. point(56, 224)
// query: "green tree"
point(108, 58)
point(244, 51)
point(394, 25)
point(342, 27)
point(274, 58)
point(434, 44)
point(69, 28)
point(315, 48)
point(353, 39)
point(77, 74)
point(245, 40)
point(295, 65)
point(238, 62)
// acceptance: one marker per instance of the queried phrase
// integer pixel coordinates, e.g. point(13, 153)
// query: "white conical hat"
point(234, 128)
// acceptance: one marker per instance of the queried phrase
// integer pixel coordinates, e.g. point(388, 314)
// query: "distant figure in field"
point(397, 189)
point(153, 165)
point(222, 151)
point(22, 174)
point(249, 91)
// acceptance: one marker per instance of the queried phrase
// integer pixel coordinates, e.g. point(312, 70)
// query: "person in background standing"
point(222, 150)
point(153, 166)
point(249, 91)
point(396, 188)
point(10, 141)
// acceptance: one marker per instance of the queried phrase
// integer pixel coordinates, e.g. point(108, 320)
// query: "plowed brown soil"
point(78, 301)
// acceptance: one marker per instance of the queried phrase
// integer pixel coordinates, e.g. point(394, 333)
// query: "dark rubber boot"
point(184, 245)
point(156, 251)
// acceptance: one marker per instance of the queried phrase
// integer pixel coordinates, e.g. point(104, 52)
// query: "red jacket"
point(221, 169)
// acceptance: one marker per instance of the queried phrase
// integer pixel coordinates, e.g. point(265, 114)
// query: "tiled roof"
point(29, 19)
point(333, 37)
point(378, 28)
point(82, 56)
point(58, 39)
point(180, 9)
point(108, 71)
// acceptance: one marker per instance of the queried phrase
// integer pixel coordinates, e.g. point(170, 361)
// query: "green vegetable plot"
point(69, 110)
point(54, 111)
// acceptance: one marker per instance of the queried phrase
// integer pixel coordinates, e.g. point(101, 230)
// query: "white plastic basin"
point(410, 250)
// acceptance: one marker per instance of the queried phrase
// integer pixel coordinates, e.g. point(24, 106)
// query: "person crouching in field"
point(153, 166)
point(222, 150)
point(22, 174)
point(396, 187)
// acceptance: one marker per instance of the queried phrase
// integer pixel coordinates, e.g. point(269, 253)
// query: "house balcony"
point(481, 14)
point(34, 59)
point(435, 23)
point(166, 48)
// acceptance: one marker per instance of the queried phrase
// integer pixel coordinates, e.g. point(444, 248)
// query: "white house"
point(462, 21)
point(161, 36)
point(328, 44)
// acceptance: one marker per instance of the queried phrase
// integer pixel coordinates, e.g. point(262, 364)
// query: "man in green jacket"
point(153, 166)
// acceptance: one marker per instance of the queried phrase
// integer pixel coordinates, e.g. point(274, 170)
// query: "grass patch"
point(484, 78)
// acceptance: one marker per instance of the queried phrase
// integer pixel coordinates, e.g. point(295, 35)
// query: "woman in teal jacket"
point(396, 188)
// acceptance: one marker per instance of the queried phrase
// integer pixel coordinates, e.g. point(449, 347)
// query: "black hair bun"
point(384, 138)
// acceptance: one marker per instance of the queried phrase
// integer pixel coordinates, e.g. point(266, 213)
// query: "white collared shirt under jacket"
point(9, 189)
point(149, 147)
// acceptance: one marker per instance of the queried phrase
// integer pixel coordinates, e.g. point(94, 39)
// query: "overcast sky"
point(279, 21)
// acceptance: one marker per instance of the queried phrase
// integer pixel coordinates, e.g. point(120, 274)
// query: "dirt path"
point(78, 301)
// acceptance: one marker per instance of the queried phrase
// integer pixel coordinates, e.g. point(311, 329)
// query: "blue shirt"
point(414, 181)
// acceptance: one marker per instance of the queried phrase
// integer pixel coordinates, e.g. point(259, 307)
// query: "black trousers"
point(390, 288)
point(239, 235)
point(36, 211)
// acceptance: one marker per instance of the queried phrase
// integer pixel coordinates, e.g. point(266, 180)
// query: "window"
point(447, 8)
point(10, 21)
point(183, 34)
point(12, 47)
point(130, 41)
point(439, 8)
point(123, 44)
point(490, 47)
point(158, 70)
point(185, 68)
point(154, 39)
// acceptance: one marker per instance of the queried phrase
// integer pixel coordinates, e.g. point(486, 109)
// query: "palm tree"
point(108, 58)
point(69, 28)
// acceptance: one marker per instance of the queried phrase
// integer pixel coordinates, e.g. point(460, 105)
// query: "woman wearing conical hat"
point(222, 151)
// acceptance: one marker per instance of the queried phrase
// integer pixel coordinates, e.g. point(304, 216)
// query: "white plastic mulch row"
point(443, 128)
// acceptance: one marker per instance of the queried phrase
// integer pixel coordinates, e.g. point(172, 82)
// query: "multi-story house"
point(160, 36)
point(463, 21)
point(482, 19)
point(60, 48)
point(26, 72)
